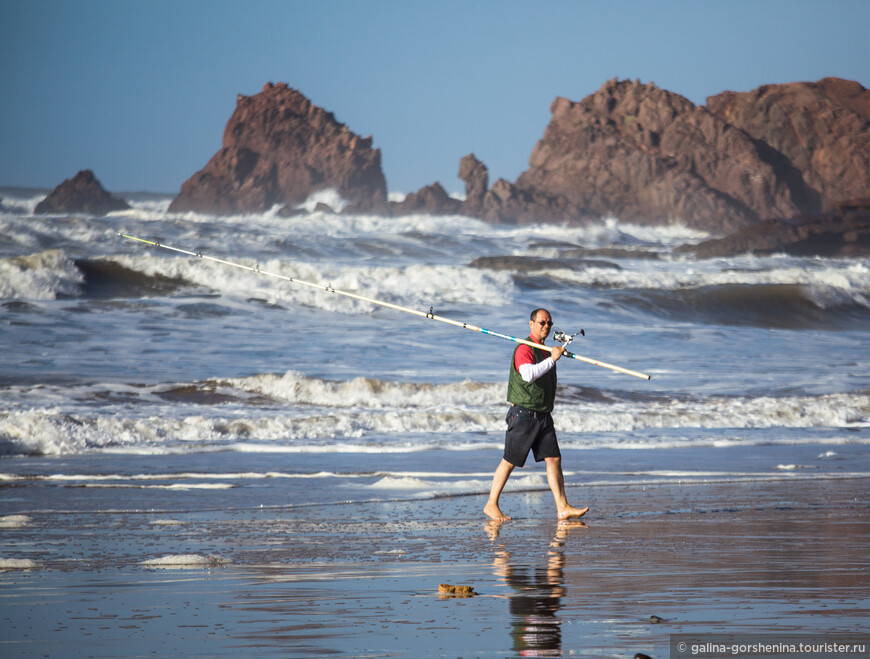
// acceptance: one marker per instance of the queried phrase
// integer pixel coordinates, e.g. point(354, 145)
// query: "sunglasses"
point(542, 323)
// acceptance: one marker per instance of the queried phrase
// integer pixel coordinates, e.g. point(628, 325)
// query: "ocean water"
point(171, 383)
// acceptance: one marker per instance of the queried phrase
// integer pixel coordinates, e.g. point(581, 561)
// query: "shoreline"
point(736, 557)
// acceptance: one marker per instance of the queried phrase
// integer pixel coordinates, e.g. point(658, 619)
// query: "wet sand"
point(784, 556)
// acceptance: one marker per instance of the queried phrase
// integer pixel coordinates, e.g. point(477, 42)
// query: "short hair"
point(536, 311)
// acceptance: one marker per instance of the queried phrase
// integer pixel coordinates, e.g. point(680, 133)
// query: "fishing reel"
point(565, 339)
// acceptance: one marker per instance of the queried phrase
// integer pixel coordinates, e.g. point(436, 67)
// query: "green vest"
point(538, 395)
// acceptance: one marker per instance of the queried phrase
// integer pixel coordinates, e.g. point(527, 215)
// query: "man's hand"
point(557, 352)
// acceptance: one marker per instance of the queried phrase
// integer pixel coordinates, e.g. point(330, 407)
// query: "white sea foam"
point(369, 415)
point(329, 197)
point(425, 488)
point(416, 286)
point(39, 276)
point(176, 487)
point(24, 205)
point(185, 561)
point(18, 564)
point(830, 283)
point(150, 206)
point(294, 387)
point(13, 521)
point(600, 234)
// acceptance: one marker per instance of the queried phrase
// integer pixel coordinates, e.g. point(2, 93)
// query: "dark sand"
point(781, 557)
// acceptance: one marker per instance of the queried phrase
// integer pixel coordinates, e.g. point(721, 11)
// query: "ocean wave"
point(844, 274)
point(330, 197)
point(553, 240)
point(49, 432)
point(22, 201)
point(105, 278)
point(368, 393)
point(40, 276)
point(414, 285)
point(304, 414)
point(782, 306)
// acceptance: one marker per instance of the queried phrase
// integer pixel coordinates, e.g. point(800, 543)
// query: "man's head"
point(540, 324)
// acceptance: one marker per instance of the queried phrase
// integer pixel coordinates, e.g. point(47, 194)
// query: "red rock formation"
point(81, 194)
point(278, 148)
point(821, 128)
point(476, 177)
point(647, 155)
point(431, 200)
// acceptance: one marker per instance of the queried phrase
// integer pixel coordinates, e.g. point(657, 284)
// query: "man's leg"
point(499, 479)
point(557, 484)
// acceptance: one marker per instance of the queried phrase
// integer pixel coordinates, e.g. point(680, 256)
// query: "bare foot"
point(570, 511)
point(492, 511)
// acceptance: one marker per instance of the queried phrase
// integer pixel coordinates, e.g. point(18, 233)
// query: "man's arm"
point(528, 369)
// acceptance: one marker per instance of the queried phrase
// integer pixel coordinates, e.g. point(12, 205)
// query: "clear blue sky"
point(140, 91)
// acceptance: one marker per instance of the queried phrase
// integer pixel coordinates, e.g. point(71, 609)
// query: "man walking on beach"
point(531, 393)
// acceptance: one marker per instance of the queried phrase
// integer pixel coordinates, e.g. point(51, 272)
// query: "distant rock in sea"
point(81, 194)
point(278, 149)
point(432, 199)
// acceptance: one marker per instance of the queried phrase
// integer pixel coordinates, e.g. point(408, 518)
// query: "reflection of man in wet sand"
point(537, 598)
point(531, 392)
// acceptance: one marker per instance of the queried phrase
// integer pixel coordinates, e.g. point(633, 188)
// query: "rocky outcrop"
point(476, 177)
point(843, 232)
point(279, 148)
point(820, 130)
point(647, 155)
point(650, 156)
point(83, 193)
point(431, 200)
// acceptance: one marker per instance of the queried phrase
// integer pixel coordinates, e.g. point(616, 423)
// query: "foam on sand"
point(14, 521)
point(18, 564)
point(185, 561)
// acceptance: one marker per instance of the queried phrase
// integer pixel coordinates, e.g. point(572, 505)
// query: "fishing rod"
point(557, 335)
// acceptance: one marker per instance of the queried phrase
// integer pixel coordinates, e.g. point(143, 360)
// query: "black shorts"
point(529, 431)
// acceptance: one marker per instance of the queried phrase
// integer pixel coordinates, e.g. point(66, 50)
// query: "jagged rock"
point(323, 208)
point(821, 130)
point(647, 155)
point(81, 194)
point(650, 156)
point(432, 200)
point(476, 177)
point(279, 148)
point(841, 233)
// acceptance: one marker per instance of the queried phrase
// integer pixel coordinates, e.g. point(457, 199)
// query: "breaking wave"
point(295, 413)
point(40, 276)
